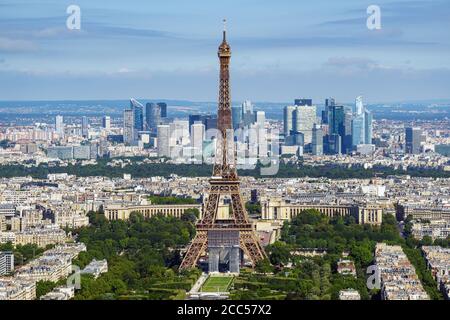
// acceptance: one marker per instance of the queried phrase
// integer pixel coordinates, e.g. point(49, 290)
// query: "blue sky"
point(281, 50)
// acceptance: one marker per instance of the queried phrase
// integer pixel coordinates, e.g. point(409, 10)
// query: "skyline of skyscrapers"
point(341, 126)
point(349, 128)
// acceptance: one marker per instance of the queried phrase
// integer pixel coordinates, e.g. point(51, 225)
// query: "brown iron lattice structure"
point(224, 182)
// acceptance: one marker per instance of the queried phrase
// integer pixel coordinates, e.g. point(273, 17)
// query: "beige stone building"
point(282, 210)
point(16, 289)
point(40, 237)
point(122, 212)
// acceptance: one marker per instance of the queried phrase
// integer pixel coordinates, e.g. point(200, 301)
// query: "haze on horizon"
point(281, 50)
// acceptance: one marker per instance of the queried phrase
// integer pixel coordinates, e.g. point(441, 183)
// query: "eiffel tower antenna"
point(224, 182)
point(224, 29)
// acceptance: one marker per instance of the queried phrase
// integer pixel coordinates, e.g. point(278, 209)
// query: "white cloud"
point(10, 45)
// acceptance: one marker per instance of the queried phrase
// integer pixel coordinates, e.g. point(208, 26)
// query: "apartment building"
point(399, 280)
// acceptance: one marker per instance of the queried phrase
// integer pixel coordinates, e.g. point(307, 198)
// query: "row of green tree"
point(23, 253)
point(171, 200)
point(141, 170)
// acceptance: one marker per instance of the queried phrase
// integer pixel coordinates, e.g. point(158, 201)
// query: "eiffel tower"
point(224, 182)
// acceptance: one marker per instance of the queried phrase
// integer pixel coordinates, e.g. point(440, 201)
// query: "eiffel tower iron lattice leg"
point(248, 240)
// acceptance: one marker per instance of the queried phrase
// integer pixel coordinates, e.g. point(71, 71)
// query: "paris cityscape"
point(330, 195)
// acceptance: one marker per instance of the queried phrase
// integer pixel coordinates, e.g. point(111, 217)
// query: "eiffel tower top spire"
point(224, 48)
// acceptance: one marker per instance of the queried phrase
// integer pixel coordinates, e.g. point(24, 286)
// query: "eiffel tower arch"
point(224, 184)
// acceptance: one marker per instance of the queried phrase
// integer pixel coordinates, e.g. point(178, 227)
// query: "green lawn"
point(217, 284)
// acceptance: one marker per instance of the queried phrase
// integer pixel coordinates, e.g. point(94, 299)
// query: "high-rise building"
point(303, 102)
point(197, 138)
point(361, 124)
point(59, 125)
point(138, 115)
point(210, 122)
point(94, 150)
point(60, 152)
point(358, 123)
point(106, 122)
point(163, 141)
point(247, 106)
point(260, 118)
point(317, 140)
point(6, 262)
point(193, 118)
point(179, 131)
point(153, 115)
point(82, 152)
point(163, 107)
point(358, 129)
point(85, 127)
point(336, 120)
point(247, 113)
point(328, 103)
point(339, 123)
point(128, 126)
point(236, 115)
point(368, 126)
point(414, 138)
point(332, 144)
point(288, 116)
point(359, 106)
point(304, 118)
point(347, 137)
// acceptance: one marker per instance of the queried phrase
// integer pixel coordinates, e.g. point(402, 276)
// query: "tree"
point(264, 266)
point(190, 215)
point(426, 241)
point(44, 287)
point(141, 253)
point(279, 253)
